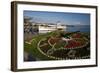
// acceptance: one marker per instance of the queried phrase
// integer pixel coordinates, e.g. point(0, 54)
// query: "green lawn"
point(32, 48)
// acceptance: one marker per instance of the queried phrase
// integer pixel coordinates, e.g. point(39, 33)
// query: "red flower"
point(73, 44)
point(76, 35)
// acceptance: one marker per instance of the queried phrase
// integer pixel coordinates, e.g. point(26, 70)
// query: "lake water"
point(81, 28)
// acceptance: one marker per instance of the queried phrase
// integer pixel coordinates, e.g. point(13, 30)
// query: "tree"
point(27, 19)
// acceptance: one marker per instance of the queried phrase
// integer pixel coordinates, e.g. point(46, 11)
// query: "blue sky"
point(63, 17)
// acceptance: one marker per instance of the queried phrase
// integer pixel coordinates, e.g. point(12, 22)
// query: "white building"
point(47, 27)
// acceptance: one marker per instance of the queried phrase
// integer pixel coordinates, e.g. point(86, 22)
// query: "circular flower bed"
point(58, 48)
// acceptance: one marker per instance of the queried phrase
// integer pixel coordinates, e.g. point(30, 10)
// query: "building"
point(48, 27)
point(43, 27)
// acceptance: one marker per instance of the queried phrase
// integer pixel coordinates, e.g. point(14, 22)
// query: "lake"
point(81, 28)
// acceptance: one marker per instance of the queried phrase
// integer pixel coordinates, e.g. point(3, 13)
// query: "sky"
point(63, 17)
